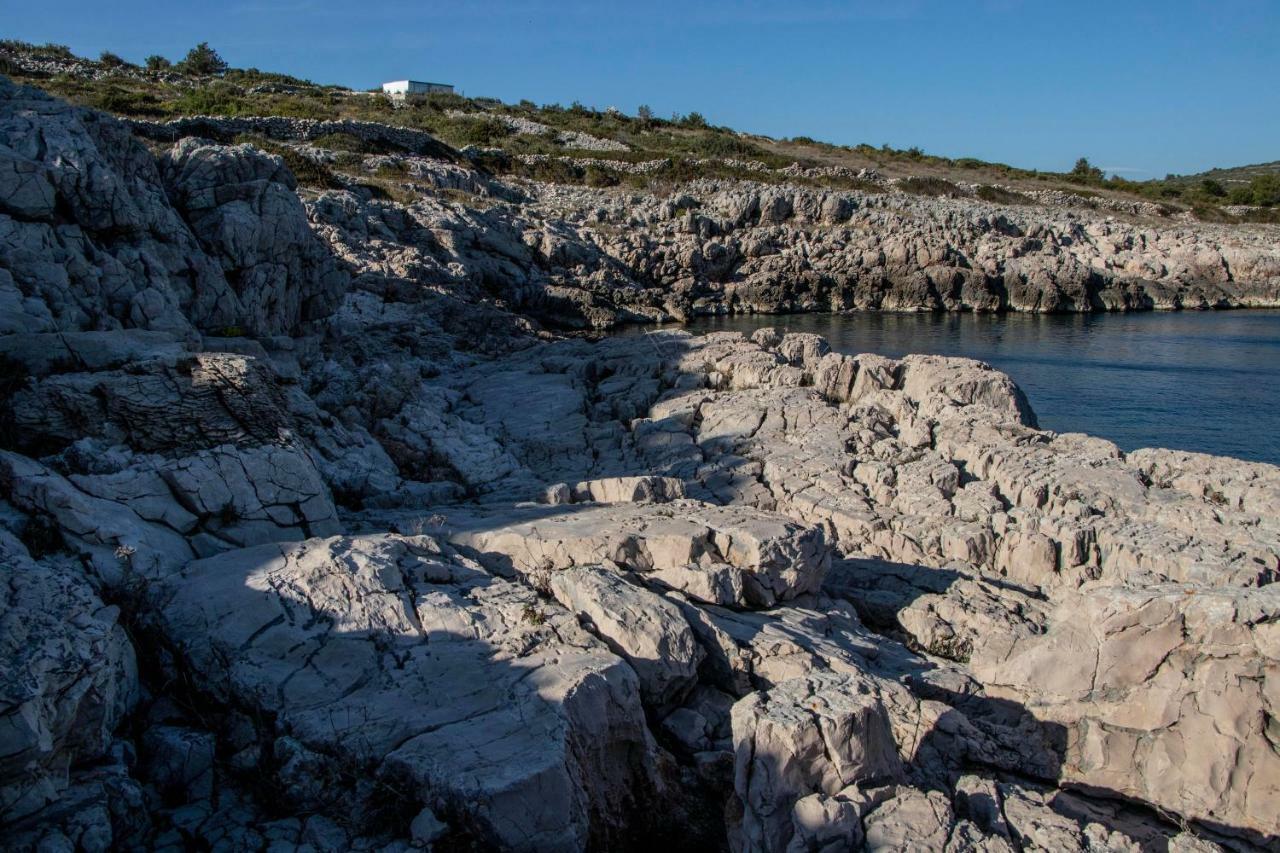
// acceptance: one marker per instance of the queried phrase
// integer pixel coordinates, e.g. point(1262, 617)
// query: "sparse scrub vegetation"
point(691, 145)
point(1000, 195)
point(111, 60)
point(308, 172)
point(930, 186)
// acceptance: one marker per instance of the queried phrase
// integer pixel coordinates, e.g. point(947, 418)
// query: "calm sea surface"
point(1204, 381)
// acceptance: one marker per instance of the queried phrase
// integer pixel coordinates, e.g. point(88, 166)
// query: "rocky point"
point(315, 534)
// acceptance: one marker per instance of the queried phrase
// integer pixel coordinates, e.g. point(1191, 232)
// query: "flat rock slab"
point(735, 555)
point(462, 691)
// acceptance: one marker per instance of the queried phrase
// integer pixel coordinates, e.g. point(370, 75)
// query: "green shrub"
point(293, 106)
point(597, 176)
point(112, 60)
point(693, 120)
point(555, 171)
point(121, 101)
point(1085, 172)
point(1265, 190)
point(216, 98)
point(713, 144)
point(999, 195)
point(1210, 187)
point(202, 60)
point(156, 62)
point(341, 142)
point(485, 131)
point(930, 186)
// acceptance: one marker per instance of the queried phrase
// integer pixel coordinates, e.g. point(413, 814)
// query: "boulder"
point(645, 629)
point(822, 733)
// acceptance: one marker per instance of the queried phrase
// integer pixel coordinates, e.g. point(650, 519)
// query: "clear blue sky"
point(1141, 88)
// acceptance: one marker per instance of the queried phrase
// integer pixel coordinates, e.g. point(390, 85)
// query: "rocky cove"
point(319, 533)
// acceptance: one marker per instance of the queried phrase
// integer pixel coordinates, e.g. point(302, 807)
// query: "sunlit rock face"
point(312, 536)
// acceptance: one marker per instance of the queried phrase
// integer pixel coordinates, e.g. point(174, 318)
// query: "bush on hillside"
point(693, 120)
point(112, 60)
point(930, 186)
point(121, 101)
point(202, 60)
point(156, 62)
point(999, 195)
point(1086, 171)
point(1262, 191)
point(712, 144)
point(215, 99)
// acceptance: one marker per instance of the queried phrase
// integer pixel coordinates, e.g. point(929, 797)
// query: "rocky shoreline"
point(317, 536)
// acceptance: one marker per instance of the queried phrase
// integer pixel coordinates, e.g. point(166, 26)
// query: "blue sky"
point(1141, 88)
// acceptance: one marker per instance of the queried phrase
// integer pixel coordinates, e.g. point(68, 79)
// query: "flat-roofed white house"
point(401, 88)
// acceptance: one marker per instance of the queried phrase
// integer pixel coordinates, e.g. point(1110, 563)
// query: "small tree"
point(112, 60)
point(202, 60)
point(1265, 190)
point(644, 113)
point(1211, 187)
point(1086, 170)
point(694, 119)
point(155, 62)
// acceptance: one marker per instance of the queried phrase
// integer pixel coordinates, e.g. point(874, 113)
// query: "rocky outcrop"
point(1164, 692)
point(241, 206)
point(396, 667)
point(68, 678)
point(386, 566)
point(226, 128)
point(91, 240)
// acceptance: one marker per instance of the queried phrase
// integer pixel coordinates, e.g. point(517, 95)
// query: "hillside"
point(605, 148)
point(320, 531)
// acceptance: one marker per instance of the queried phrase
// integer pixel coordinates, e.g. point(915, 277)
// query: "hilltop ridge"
point(586, 146)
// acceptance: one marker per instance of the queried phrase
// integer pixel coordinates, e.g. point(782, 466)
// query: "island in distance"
point(332, 517)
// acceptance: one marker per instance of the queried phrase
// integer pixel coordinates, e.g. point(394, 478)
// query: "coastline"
point(316, 529)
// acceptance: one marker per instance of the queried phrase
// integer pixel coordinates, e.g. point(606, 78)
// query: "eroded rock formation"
point(311, 539)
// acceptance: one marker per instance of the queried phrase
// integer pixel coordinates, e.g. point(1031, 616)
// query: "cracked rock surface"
point(312, 536)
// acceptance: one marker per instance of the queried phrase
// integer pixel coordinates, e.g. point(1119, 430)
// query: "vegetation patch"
point(1000, 195)
point(930, 187)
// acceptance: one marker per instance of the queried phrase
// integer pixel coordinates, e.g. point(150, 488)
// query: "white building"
point(400, 88)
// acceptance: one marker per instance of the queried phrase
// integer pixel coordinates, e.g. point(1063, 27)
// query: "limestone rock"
point(724, 555)
point(821, 733)
point(648, 631)
point(240, 204)
point(1165, 693)
point(68, 677)
point(464, 691)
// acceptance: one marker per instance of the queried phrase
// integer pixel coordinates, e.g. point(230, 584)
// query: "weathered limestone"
point(648, 631)
point(461, 690)
point(612, 612)
point(822, 733)
point(68, 677)
point(240, 204)
point(1167, 694)
point(722, 555)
